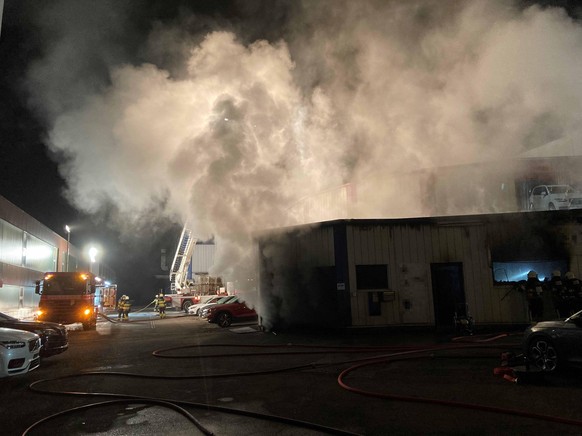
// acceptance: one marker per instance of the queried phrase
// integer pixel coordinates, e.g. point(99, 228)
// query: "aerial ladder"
point(179, 270)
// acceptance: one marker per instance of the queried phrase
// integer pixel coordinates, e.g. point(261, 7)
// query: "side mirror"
point(37, 287)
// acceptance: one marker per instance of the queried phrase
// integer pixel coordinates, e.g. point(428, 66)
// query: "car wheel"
point(223, 319)
point(186, 305)
point(542, 354)
point(551, 206)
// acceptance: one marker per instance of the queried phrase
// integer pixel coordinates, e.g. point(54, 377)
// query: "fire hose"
point(389, 354)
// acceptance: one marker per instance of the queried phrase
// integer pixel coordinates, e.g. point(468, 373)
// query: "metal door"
point(448, 291)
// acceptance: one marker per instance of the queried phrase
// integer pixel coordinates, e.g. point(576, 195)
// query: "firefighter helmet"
point(532, 275)
point(556, 273)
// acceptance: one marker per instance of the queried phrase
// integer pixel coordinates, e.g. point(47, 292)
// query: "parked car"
point(552, 197)
point(19, 351)
point(204, 309)
point(551, 345)
point(576, 202)
point(54, 337)
point(195, 308)
point(225, 314)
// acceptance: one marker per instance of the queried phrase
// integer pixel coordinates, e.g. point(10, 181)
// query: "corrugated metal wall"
point(293, 286)
point(409, 251)
point(413, 251)
point(408, 248)
point(202, 258)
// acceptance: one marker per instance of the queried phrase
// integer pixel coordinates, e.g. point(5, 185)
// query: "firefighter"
point(533, 292)
point(120, 307)
point(559, 294)
point(156, 303)
point(161, 303)
point(126, 307)
point(574, 292)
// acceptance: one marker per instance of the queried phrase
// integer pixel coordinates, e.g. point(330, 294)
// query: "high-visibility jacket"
point(161, 302)
point(126, 305)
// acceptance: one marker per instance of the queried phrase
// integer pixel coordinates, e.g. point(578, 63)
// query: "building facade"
point(28, 249)
point(413, 272)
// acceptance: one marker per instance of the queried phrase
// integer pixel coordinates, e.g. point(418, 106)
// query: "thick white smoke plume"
point(234, 133)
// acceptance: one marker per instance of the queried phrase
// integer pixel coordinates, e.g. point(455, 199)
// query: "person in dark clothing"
point(574, 292)
point(533, 291)
point(559, 294)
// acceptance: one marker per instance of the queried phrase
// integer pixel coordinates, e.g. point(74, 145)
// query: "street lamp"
point(92, 256)
point(68, 230)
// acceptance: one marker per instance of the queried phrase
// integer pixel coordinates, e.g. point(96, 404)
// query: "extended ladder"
point(179, 270)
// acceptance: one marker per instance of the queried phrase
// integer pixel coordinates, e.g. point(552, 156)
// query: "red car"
point(225, 314)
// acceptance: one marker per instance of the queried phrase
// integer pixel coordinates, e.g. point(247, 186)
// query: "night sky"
point(30, 176)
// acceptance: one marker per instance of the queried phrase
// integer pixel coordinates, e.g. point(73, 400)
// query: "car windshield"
point(576, 316)
point(559, 189)
point(4, 317)
point(224, 299)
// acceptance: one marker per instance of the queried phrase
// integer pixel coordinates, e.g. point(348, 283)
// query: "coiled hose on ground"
point(382, 355)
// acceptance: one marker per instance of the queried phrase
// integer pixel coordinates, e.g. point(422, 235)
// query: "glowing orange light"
point(87, 311)
point(48, 276)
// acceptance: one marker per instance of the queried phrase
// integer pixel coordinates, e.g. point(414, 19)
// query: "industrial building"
point(28, 249)
point(412, 272)
point(463, 236)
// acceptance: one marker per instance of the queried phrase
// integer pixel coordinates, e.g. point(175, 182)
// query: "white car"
point(19, 351)
point(553, 197)
point(205, 299)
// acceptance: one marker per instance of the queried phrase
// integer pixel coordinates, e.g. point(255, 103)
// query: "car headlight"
point(12, 344)
point(47, 332)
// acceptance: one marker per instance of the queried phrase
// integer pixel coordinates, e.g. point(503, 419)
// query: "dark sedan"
point(54, 337)
point(550, 345)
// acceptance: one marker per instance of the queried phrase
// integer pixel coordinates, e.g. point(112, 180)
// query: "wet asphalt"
point(181, 375)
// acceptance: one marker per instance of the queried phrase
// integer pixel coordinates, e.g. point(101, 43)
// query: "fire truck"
point(191, 292)
point(68, 297)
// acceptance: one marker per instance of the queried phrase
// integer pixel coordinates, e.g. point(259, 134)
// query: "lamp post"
point(68, 229)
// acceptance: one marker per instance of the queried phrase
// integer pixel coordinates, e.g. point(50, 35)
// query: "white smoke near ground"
point(235, 132)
